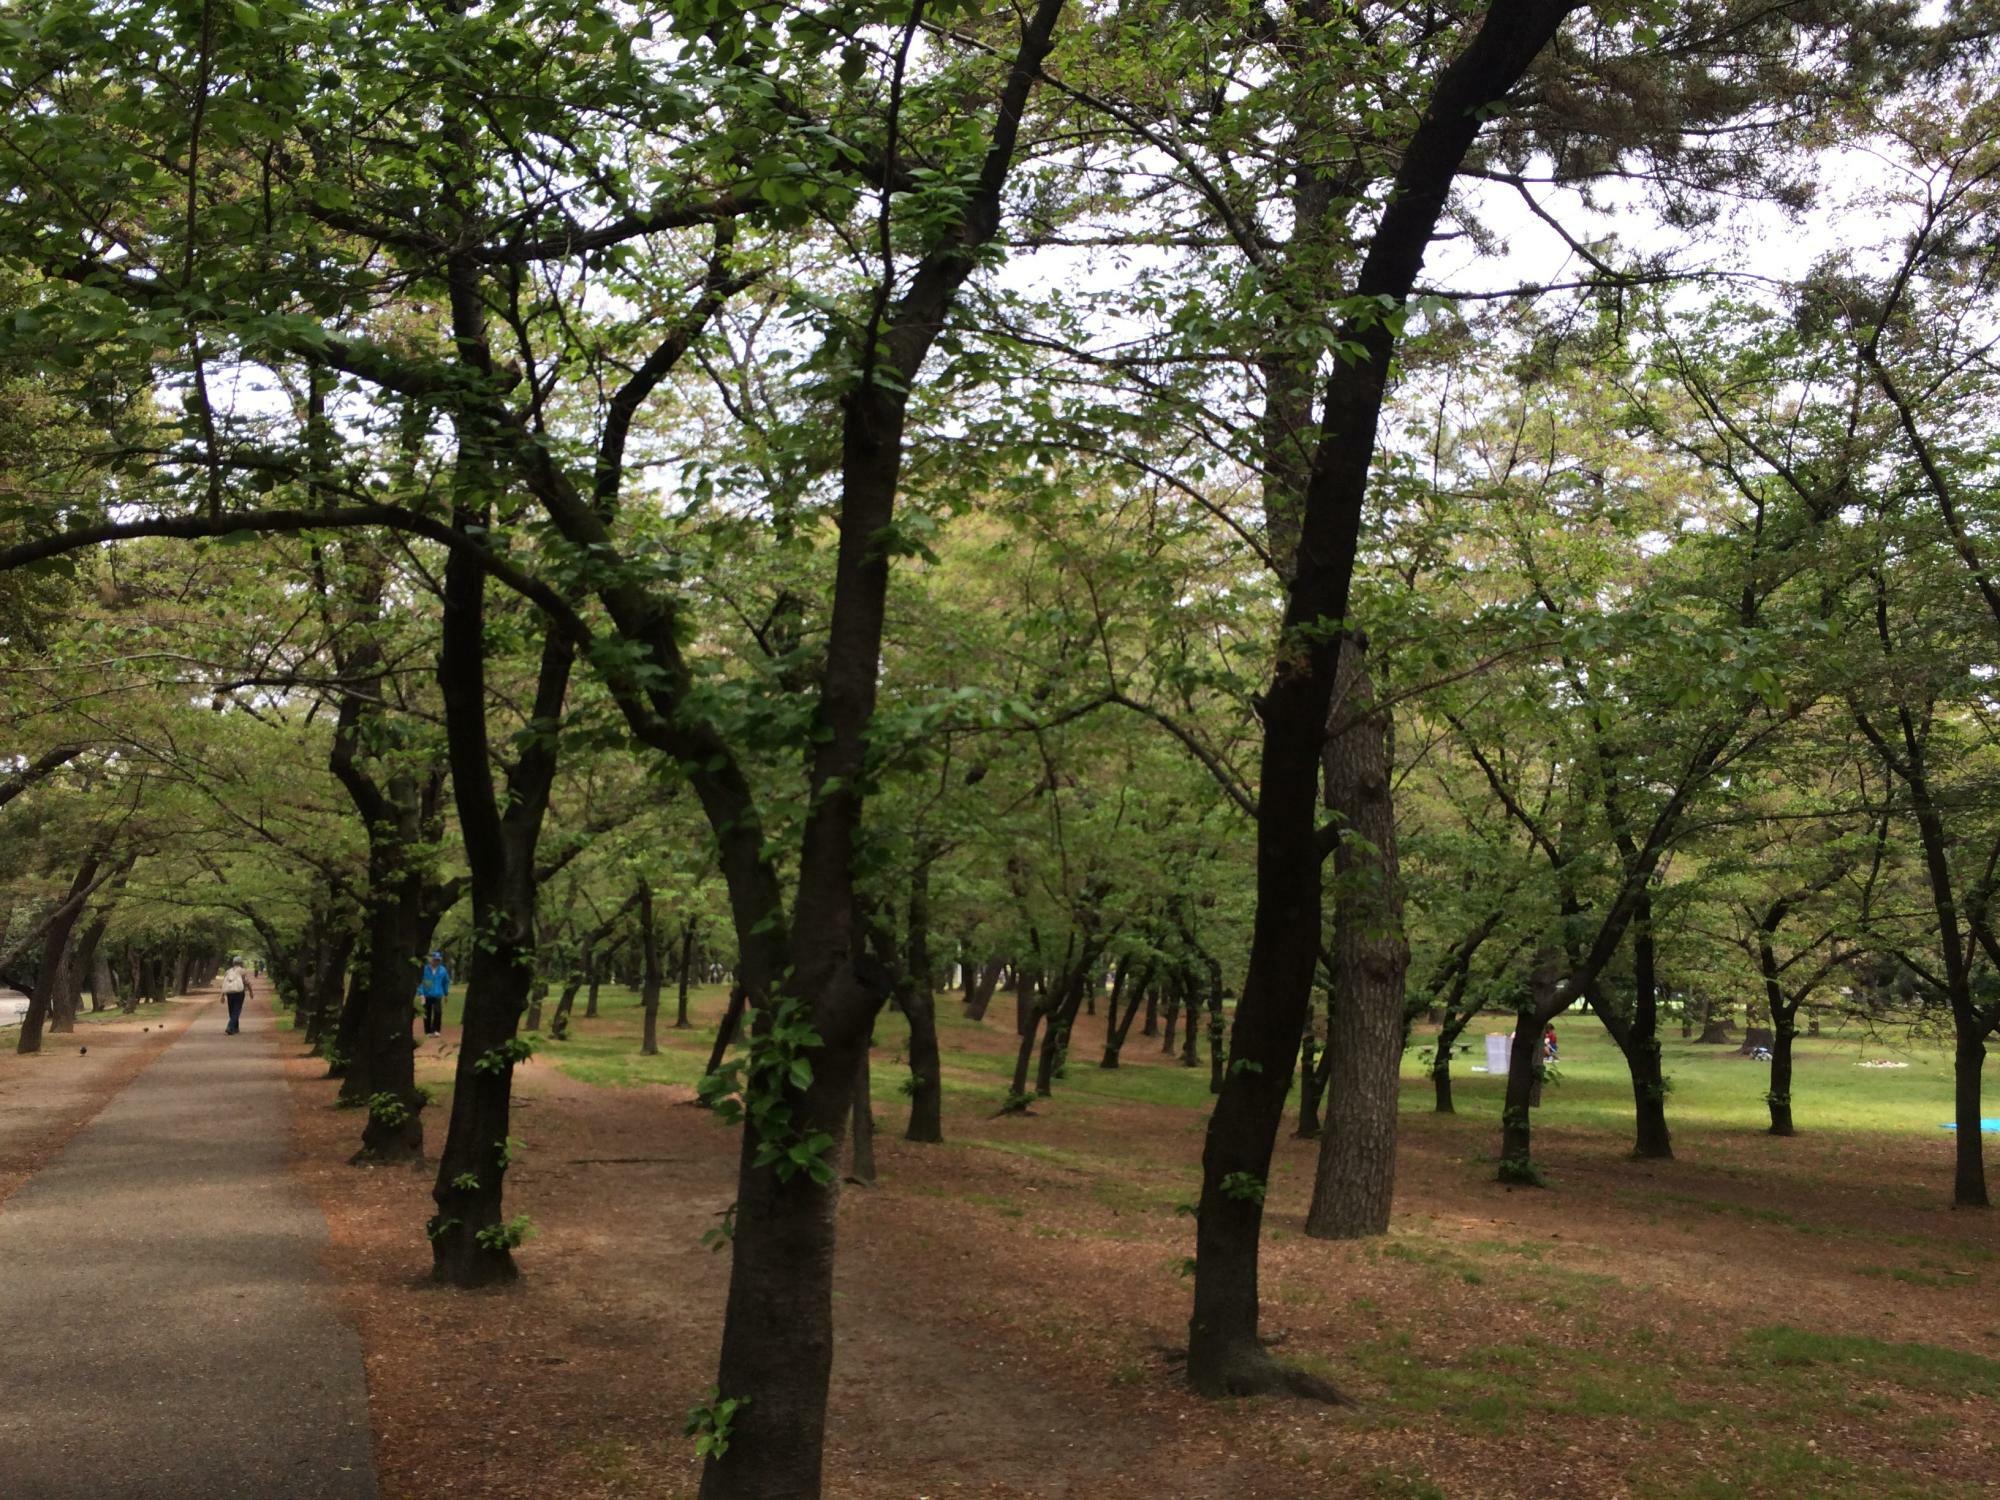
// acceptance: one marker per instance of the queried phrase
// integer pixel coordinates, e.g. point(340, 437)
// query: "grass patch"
point(1927, 1368)
point(1494, 1387)
point(1714, 1086)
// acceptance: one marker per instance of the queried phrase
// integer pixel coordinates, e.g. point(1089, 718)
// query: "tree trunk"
point(1642, 1048)
point(1018, 1097)
point(777, 1339)
point(649, 992)
point(1311, 1080)
point(1651, 1141)
point(1969, 1177)
point(382, 1075)
point(980, 994)
point(1779, 1096)
point(681, 1021)
point(1066, 1002)
point(471, 1242)
point(324, 985)
point(1117, 1027)
point(725, 1034)
point(353, 1005)
point(1356, 1178)
point(1190, 1023)
point(1218, 1057)
point(1455, 1023)
point(68, 992)
point(1524, 1072)
point(1151, 1025)
point(778, 1328)
point(559, 1023)
point(103, 991)
point(920, 1008)
point(87, 964)
point(861, 1155)
point(380, 1072)
point(55, 944)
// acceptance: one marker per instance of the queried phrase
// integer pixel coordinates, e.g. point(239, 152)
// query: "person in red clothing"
point(1549, 1043)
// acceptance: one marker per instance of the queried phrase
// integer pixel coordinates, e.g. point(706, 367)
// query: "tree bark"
point(1225, 1351)
point(979, 994)
point(1117, 1027)
point(861, 1154)
point(55, 944)
point(649, 992)
point(1969, 1170)
point(1191, 1009)
point(472, 1242)
point(326, 982)
point(376, 1054)
point(1315, 1068)
point(1218, 1056)
point(920, 1009)
point(725, 1034)
point(1356, 1178)
point(559, 1022)
point(1524, 1067)
point(67, 993)
point(1642, 1047)
point(1779, 1096)
point(1716, 1030)
point(681, 1021)
point(1027, 1001)
point(103, 990)
point(381, 1073)
point(777, 1339)
point(1524, 1075)
point(86, 963)
point(1068, 999)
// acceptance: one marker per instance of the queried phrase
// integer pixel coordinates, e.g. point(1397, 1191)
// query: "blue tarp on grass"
point(1987, 1127)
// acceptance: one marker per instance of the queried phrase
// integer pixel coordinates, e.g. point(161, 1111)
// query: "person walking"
point(432, 986)
point(235, 985)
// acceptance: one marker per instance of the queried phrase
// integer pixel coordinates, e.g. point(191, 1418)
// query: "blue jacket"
point(434, 982)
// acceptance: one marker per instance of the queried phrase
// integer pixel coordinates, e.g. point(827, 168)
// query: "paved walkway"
point(166, 1331)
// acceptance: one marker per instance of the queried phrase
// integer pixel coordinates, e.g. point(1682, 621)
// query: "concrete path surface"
point(166, 1330)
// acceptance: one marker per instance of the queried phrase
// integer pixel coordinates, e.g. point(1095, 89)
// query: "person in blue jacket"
point(432, 986)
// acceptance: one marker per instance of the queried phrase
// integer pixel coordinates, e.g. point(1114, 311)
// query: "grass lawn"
point(1757, 1317)
point(1712, 1087)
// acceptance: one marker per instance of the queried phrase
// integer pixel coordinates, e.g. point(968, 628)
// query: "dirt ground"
point(49, 1096)
point(1761, 1317)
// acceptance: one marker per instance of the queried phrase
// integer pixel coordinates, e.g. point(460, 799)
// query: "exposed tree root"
point(1251, 1371)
